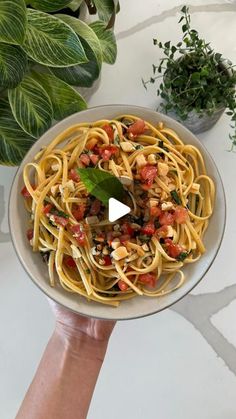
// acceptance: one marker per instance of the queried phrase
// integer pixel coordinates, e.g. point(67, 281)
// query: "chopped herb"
point(157, 224)
point(182, 256)
point(138, 146)
point(55, 211)
point(173, 171)
point(87, 271)
point(144, 238)
point(175, 197)
point(161, 145)
point(117, 140)
point(47, 200)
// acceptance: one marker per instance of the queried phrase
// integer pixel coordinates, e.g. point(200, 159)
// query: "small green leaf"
point(50, 5)
point(104, 8)
point(12, 21)
point(75, 4)
point(14, 142)
point(107, 40)
point(31, 106)
point(51, 42)
point(65, 100)
point(85, 32)
point(13, 65)
point(101, 184)
point(182, 256)
point(175, 197)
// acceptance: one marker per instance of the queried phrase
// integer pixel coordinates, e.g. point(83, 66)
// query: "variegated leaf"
point(107, 40)
point(104, 8)
point(13, 65)
point(12, 21)
point(50, 5)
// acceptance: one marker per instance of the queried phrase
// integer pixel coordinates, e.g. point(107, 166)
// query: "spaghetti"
point(167, 187)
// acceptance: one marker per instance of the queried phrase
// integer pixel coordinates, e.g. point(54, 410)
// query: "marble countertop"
point(180, 363)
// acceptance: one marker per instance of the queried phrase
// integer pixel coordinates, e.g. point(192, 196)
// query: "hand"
point(73, 325)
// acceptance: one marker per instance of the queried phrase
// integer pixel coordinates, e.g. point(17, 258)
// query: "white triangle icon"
point(116, 209)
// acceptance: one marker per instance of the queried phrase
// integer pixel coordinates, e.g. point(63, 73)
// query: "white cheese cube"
point(166, 206)
point(120, 253)
point(163, 169)
point(127, 147)
point(141, 161)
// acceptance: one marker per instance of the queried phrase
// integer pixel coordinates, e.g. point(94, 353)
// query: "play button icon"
point(116, 209)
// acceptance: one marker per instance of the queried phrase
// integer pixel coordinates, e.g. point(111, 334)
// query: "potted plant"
point(45, 49)
point(198, 84)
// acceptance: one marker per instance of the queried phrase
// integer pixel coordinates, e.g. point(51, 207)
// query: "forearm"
point(64, 382)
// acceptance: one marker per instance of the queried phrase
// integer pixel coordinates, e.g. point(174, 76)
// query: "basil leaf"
point(101, 184)
point(182, 256)
point(175, 197)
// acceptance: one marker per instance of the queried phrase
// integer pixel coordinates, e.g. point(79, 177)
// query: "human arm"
point(65, 379)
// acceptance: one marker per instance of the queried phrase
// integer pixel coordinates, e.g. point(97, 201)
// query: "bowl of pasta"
point(142, 262)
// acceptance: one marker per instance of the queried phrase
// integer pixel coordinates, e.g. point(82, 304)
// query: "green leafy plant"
point(194, 77)
point(45, 49)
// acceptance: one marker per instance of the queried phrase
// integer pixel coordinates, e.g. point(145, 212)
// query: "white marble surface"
point(181, 363)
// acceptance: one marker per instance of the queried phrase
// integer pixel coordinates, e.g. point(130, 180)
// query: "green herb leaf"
point(12, 21)
point(65, 100)
point(182, 256)
point(31, 107)
point(13, 65)
point(101, 184)
point(51, 42)
point(176, 197)
point(49, 5)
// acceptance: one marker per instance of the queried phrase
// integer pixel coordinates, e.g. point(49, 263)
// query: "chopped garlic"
point(145, 247)
point(75, 252)
point(152, 159)
point(125, 180)
point(163, 169)
point(120, 253)
point(92, 220)
point(127, 147)
point(54, 190)
point(165, 206)
point(170, 231)
point(141, 161)
point(55, 167)
point(70, 185)
point(195, 188)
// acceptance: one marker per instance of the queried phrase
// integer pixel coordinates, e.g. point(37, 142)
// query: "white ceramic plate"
point(138, 306)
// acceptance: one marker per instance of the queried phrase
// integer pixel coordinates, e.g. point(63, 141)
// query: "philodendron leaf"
point(80, 75)
point(50, 5)
point(86, 33)
point(12, 21)
point(101, 184)
point(14, 142)
point(51, 42)
point(75, 4)
point(104, 8)
point(13, 65)
point(107, 40)
point(31, 106)
point(65, 100)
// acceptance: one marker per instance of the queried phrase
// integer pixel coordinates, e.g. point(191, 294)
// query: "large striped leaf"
point(80, 75)
point(31, 106)
point(107, 40)
point(50, 5)
point(75, 4)
point(86, 33)
point(65, 100)
point(13, 65)
point(12, 21)
point(105, 9)
point(51, 42)
point(14, 142)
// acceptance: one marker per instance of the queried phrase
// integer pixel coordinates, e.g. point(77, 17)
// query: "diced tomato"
point(180, 215)
point(84, 158)
point(94, 158)
point(107, 260)
point(79, 234)
point(166, 218)
point(108, 129)
point(69, 261)
point(148, 228)
point(124, 238)
point(122, 285)
point(25, 192)
point(62, 221)
point(155, 211)
point(30, 234)
point(148, 279)
point(78, 212)
point(148, 174)
point(127, 229)
point(47, 209)
point(110, 237)
point(137, 128)
point(162, 231)
point(95, 207)
point(73, 175)
point(107, 151)
point(173, 249)
point(91, 144)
